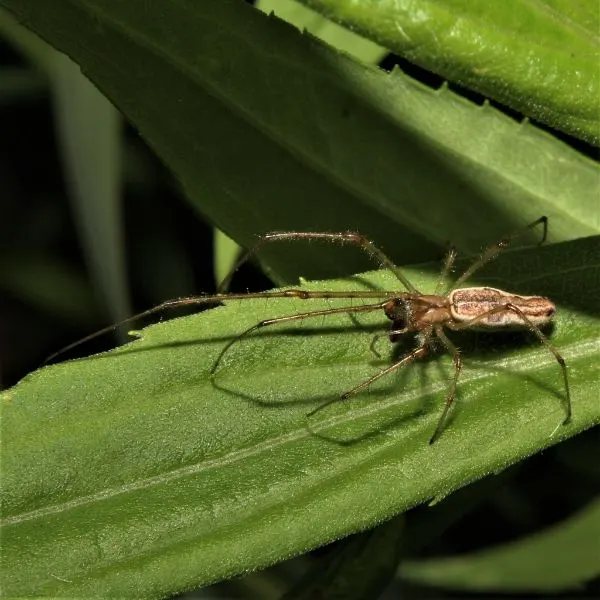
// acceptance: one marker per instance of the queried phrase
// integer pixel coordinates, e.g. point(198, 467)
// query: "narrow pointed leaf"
point(137, 473)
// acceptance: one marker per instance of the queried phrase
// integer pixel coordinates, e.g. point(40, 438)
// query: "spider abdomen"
point(468, 303)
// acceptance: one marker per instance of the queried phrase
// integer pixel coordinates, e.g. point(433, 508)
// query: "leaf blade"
point(146, 477)
point(538, 58)
point(363, 150)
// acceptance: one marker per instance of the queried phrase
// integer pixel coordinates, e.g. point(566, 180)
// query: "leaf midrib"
point(535, 362)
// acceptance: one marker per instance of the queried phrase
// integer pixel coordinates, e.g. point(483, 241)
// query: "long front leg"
point(295, 317)
point(343, 237)
point(216, 299)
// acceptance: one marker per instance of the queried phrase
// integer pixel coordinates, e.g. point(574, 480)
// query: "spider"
point(411, 312)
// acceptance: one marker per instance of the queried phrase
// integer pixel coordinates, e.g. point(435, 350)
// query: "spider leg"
point(492, 251)
point(295, 317)
point(533, 328)
point(419, 352)
point(343, 237)
point(451, 394)
point(388, 334)
point(448, 262)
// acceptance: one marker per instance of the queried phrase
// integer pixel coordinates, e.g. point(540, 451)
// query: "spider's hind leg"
point(451, 394)
point(509, 306)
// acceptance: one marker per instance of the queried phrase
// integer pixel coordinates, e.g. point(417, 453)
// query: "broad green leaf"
point(220, 90)
point(137, 473)
point(540, 58)
point(561, 558)
point(29, 44)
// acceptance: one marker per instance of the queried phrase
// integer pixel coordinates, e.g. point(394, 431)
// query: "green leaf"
point(540, 58)
point(558, 559)
point(338, 37)
point(226, 253)
point(137, 473)
point(88, 129)
point(220, 91)
point(89, 134)
point(364, 565)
